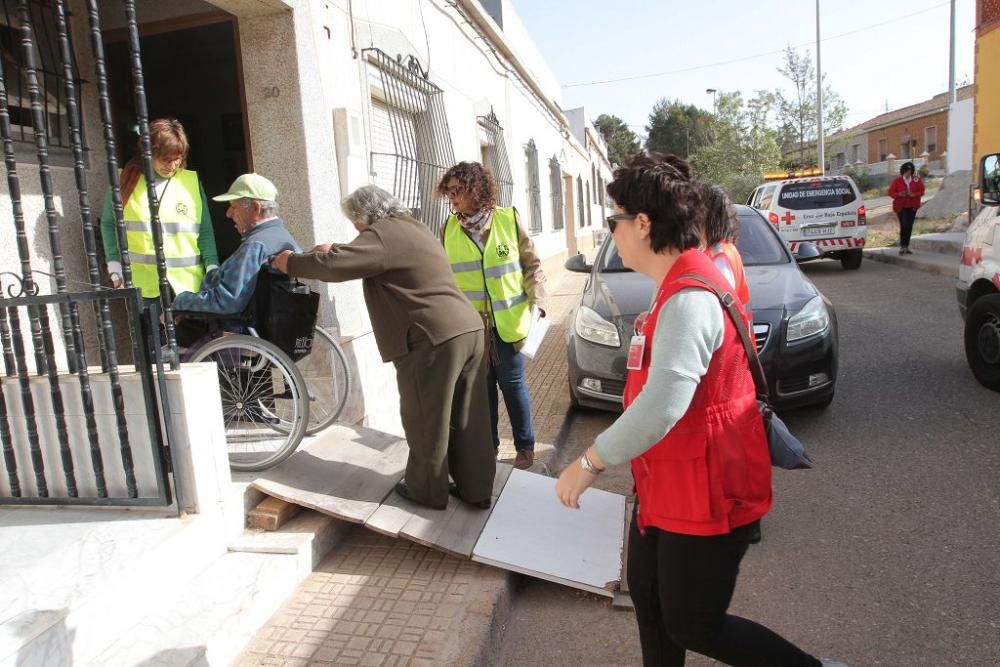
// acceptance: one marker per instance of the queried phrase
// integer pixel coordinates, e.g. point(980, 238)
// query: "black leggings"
point(906, 217)
point(681, 586)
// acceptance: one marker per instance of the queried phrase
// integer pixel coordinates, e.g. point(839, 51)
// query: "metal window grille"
point(590, 219)
point(581, 219)
point(47, 67)
point(411, 144)
point(498, 162)
point(555, 187)
point(593, 179)
point(534, 186)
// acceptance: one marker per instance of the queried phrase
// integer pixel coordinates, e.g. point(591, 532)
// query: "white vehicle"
point(979, 280)
point(827, 211)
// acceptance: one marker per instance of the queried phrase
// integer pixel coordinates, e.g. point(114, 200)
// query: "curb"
point(938, 264)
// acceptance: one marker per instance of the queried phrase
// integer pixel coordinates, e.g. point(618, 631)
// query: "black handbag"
point(285, 313)
point(786, 450)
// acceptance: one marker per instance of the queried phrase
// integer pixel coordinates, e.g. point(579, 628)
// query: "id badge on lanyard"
point(636, 348)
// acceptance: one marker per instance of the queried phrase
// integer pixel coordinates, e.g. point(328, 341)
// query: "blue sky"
point(874, 52)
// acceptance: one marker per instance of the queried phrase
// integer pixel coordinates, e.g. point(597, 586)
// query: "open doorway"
point(191, 67)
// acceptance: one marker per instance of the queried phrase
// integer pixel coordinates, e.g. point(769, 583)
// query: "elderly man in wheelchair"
point(232, 321)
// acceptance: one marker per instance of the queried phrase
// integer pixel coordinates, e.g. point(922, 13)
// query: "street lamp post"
point(715, 106)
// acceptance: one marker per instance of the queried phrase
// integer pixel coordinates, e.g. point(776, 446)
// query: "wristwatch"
point(589, 466)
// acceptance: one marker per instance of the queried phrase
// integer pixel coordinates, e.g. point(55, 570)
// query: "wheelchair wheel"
point(265, 408)
point(328, 380)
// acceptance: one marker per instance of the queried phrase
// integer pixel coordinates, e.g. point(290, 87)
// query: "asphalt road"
point(888, 552)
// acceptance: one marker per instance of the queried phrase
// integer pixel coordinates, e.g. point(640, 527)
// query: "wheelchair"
point(281, 380)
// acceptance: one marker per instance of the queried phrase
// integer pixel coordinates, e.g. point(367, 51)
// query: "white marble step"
point(214, 617)
point(75, 580)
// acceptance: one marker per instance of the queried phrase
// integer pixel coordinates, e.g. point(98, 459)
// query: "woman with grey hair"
point(430, 332)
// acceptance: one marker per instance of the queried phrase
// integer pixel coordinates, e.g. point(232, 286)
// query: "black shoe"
point(482, 504)
point(404, 491)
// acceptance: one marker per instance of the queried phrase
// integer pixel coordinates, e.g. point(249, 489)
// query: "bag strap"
point(728, 302)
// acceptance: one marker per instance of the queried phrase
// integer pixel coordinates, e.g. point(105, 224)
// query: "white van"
point(979, 279)
point(827, 211)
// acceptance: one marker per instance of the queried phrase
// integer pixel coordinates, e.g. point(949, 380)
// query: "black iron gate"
point(39, 402)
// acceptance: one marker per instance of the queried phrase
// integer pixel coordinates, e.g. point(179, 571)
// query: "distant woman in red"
point(906, 191)
point(693, 433)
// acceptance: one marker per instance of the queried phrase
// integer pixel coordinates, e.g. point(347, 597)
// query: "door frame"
point(116, 35)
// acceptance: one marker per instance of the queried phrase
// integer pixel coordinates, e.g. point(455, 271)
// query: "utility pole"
point(820, 158)
point(951, 61)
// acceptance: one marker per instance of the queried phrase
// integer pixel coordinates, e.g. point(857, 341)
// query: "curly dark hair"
point(661, 187)
point(719, 223)
point(476, 179)
point(907, 167)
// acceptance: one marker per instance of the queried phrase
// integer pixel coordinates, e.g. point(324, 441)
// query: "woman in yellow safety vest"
point(497, 268)
point(185, 221)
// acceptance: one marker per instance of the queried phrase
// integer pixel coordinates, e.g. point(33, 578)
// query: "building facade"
point(323, 96)
point(986, 126)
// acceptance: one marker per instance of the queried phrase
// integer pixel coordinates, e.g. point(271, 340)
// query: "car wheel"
point(851, 259)
point(982, 340)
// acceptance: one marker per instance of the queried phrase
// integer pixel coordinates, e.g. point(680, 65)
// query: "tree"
point(743, 144)
point(621, 140)
point(797, 117)
point(681, 129)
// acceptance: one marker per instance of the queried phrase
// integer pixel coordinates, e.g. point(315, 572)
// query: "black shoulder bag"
point(786, 450)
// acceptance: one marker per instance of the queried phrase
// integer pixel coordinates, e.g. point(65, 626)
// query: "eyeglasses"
point(612, 220)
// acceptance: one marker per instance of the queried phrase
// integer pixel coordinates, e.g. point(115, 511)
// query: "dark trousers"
point(681, 586)
point(906, 217)
point(506, 370)
point(441, 389)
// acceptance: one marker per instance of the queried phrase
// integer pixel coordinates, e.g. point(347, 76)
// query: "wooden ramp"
point(350, 471)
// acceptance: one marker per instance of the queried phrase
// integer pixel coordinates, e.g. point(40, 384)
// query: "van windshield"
point(809, 195)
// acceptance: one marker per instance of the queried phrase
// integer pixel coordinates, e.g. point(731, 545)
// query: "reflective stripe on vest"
point(493, 275)
point(180, 223)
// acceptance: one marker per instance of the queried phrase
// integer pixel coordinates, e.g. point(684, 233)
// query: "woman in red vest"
point(906, 191)
point(693, 433)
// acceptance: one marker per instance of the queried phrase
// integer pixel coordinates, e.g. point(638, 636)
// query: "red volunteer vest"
point(711, 472)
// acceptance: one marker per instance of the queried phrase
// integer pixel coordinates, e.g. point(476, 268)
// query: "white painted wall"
point(960, 120)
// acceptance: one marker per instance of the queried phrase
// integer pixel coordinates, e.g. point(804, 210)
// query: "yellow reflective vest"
point(492, 278)
point(180, 222)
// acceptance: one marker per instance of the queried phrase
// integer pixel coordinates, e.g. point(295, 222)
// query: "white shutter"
point(383, 164)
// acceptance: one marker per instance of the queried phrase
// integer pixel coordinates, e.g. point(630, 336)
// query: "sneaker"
point(525, 459)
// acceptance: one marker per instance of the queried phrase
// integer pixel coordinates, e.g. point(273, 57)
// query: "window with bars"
point(581, 216)
point(930, 138)
point(48, 69)
point(410, 142)
point(533, 186)
point(496, 158)
point(555, 188)
point(882, 150)
point(590, 214)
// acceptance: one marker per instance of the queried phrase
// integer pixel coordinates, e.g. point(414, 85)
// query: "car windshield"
point(813, 194)
point(757, 244)
point(610, 261)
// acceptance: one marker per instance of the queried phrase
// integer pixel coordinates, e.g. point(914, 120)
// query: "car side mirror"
point(807, 252)
point(989, 179)
point(578, 263)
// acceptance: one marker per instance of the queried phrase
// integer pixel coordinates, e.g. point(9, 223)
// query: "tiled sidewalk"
point(375, 601)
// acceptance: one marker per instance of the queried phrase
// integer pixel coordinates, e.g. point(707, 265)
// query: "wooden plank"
point(346, 473)
point(530, 532)
point(459, 529)
point(271, 514)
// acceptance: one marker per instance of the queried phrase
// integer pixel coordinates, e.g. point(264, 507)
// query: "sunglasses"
point(612, 220)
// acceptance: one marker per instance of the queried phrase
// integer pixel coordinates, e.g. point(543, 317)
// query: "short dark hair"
point(661, 187)
point(907, 167)
point(476, 179)
point(719, 223)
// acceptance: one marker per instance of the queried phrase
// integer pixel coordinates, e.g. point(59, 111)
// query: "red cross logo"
point(788, 217)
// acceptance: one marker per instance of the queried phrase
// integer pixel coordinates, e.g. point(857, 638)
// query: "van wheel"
point(851, 259)
point(982, 340)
